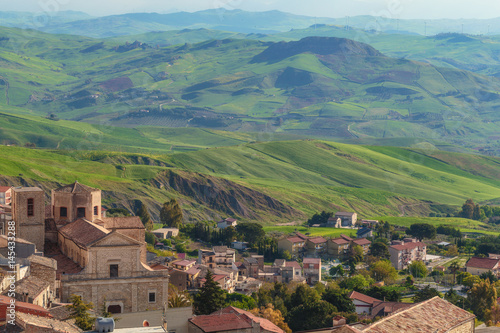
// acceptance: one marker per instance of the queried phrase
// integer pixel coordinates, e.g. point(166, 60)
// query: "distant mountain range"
point(240, 21)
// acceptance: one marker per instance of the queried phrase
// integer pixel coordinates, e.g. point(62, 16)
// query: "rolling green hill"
point(317, 87)
point(268, 182)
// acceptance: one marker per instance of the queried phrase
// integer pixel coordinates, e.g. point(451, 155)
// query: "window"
point(96, 210)
point(63, 212)
point(31, 207)
point(152, 297)
point(113, 270)
point(80, 212)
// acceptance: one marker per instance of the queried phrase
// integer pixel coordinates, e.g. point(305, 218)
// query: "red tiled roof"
point(339, 241)
point(434, 315)
point(221, 322)
point(5, 188)
point(83, 232)
point(486, 263)
point(75, 188)
point(346, 237)
point(158, 267)
point(64, 264)
point(295, 239)
point(293, 264)
point(361, 241)
point(183, 262)
point(408, 246)
point(124, 222)
point(20, 306)
point(362, 297)
point(317, 240)
point(264, 323)
point(311, 261)
point(300, 235)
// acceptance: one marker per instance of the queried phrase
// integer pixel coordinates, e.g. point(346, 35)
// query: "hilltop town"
point(67, 248)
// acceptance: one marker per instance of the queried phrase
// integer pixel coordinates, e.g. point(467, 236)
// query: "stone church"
point(109, 253)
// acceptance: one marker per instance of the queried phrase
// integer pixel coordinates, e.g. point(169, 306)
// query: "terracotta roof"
point(158, 267)
point(183, 263)
point(61, 312)
point(300, 235)
point(311, 261)
point(220, 249)
point(293, 264)
point(4, 240)
point(279, 262)
point(346, 237)
point(346, 329)
point(31, 285)
point(44, 261)
point(294, 239)
point(83, 232)
point(221, 322)
point(434, 315)
point(361, 241)
point(230, 220)
point(408, 246)
point(23, 306)
point(193, 270)
point(64, 264)
point(362, 297)
point(76, 187)
point(339, 241)
point(317, 240)
point(486, 263)
point(5, 188)
point(264, 323)
point(124, 222)
point(48, 324)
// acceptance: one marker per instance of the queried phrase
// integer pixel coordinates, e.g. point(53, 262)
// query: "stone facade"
point(75, 201)
point(28, 211)
point(115, 275)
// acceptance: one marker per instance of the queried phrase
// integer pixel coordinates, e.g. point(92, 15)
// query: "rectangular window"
point(63, 212)
point(96, 209)
point(31, 207)
point(152, 297)
point(80, 212)
point(113, 270)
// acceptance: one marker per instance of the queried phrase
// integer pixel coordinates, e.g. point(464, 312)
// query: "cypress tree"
point(210, 298)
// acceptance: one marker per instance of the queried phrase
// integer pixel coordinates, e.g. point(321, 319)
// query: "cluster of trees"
point(449, 231)
point(473, 211)
point(321, 218)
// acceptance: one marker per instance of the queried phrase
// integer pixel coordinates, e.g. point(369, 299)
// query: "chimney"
point(339, 320)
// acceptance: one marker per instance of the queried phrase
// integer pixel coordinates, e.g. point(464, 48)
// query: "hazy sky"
point(327, 8)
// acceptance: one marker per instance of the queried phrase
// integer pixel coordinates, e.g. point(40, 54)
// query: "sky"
point(403, 9)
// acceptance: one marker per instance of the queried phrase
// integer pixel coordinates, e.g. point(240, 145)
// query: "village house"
point(478, 266)
point(363, 243)
point(293, 244)
point(338, 248)
point(312, 270)
point(224, 256)
point(403, 253)
point(364, 232)
point(348, 219)
point(231, 319)
point(362, 302)
point(228, 222)
point(316, 246)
